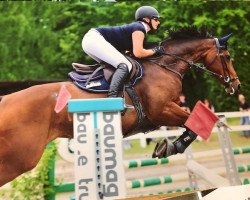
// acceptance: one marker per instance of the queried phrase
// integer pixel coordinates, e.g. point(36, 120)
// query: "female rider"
point(107, 43)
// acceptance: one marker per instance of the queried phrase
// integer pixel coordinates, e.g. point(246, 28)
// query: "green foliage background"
point(40, 40)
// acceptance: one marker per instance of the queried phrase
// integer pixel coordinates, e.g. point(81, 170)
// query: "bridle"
point(228, 80)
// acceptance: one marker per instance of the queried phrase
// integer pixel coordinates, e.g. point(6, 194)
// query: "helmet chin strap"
point(150, 24)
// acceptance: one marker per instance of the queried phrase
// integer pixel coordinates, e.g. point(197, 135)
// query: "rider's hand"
point(158, 50)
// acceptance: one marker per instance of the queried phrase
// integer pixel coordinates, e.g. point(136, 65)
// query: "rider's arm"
point(138, 50)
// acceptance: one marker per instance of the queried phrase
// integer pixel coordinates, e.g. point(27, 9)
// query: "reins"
point(198, 66)
point(191, 64)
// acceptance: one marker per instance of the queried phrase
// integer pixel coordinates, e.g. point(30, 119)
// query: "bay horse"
point(28, 121)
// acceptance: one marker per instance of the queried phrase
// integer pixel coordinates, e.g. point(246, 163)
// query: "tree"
point(40, 40)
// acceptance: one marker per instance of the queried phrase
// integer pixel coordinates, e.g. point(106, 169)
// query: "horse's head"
point(189, 45)
point(218, 60)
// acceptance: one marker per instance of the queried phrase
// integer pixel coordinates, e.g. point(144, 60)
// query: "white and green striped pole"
point(140, 183)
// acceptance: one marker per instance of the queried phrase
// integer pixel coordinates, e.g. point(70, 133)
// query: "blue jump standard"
point(95, 105)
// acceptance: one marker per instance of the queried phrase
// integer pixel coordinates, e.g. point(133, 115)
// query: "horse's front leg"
point(168, 115)
point(172, 115)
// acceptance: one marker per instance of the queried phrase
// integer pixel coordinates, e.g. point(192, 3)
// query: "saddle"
point(97, 77)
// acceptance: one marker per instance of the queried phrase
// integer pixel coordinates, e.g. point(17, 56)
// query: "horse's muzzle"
point(233, 87)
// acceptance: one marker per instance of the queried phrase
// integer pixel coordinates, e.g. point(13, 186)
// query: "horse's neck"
point(201, 48)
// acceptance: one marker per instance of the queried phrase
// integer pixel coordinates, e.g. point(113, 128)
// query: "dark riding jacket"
point(121, 36)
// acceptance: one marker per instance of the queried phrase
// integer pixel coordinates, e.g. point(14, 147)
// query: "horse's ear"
point(223, 40)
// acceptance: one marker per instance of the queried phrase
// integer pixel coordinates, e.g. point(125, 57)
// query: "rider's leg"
point(118, 79)
point(99, 49)
point(165, 149)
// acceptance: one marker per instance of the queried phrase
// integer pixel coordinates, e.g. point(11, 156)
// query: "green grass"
point(213, 143)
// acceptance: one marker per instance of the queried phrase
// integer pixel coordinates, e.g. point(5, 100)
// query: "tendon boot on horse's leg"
point(165, 149)
point(117, 82)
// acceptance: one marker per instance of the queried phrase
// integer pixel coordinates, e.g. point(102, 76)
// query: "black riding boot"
point(117, 83)
point(165, 149)
point(118, 79)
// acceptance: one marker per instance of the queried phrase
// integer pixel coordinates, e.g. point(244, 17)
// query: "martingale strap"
point(169, 67)
point(137, 104)
point(143, 125)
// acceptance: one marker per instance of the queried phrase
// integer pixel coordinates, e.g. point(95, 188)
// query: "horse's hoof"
point(160, 149)
point(163, 149)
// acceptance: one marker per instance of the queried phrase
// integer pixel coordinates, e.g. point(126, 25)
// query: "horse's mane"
point(189, 32)
point(183, 33)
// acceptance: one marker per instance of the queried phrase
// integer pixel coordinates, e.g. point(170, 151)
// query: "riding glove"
point(159, 50)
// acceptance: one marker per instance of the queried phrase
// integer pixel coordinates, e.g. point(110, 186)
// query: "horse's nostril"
point(239, 87)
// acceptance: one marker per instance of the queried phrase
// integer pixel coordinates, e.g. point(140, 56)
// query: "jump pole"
point(98, 159)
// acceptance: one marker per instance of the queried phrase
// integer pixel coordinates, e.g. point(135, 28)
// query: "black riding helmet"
point(146, 11)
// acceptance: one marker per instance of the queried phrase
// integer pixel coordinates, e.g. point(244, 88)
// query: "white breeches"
point(94, 44)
